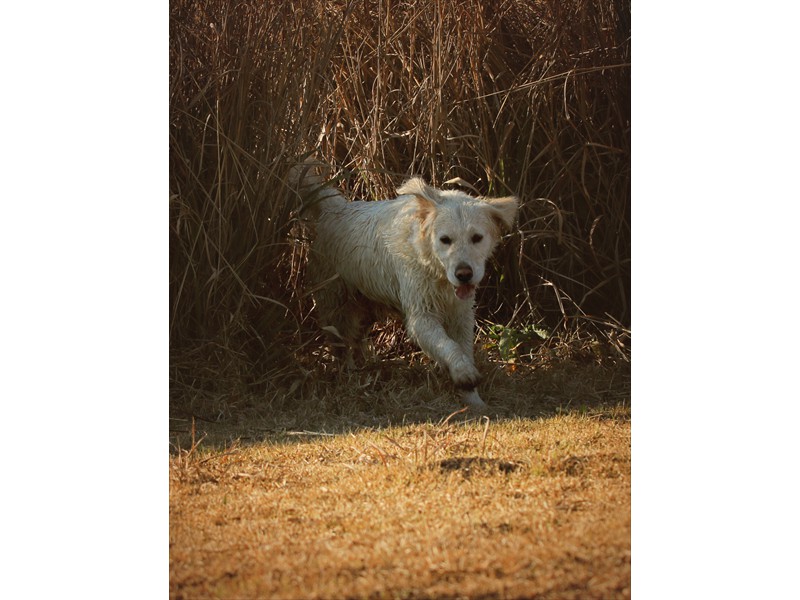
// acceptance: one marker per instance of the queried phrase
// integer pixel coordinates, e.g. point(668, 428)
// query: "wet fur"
point(370, 257)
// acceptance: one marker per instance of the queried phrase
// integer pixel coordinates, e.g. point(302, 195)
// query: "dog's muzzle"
point(464, 275)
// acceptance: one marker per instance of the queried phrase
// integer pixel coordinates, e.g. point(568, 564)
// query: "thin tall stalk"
point(522, 97)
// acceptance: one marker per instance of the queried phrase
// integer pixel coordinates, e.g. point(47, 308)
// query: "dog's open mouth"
point(464, 290)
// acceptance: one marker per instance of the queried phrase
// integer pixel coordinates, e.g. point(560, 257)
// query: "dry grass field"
point(379, 493)
point(289, 479)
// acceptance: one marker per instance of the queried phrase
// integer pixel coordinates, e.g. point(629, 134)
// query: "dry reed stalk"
point(530, 98)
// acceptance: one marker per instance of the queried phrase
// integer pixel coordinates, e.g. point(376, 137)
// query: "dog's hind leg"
point(345, 319)
point(354, 319)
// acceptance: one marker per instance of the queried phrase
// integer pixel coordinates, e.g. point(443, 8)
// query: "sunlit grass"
point(512, 508)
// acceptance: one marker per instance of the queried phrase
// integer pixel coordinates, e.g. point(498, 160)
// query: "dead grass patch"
point(444, 506)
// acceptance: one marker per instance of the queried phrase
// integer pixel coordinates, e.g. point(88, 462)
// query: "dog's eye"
point(476, 238)
point(445, 240)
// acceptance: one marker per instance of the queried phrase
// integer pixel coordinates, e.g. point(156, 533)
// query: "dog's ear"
point(503, 211)
point(425, 207)
point(424, 194)
point(416, 186)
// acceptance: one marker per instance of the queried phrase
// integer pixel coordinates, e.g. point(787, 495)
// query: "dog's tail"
point(309, 181)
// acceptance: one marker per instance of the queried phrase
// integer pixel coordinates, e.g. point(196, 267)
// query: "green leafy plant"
point(512, 343)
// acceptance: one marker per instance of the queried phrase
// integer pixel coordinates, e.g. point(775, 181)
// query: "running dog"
point(420, 255)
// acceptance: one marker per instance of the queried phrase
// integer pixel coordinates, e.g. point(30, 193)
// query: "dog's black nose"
point(464, 273)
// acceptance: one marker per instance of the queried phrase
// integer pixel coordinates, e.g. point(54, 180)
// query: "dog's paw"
point(465, 376)
point(473, 400)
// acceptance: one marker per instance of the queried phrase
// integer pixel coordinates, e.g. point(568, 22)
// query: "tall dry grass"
point(529, 98)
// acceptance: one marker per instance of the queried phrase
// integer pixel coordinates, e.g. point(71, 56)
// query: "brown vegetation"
point(529, 98)
point(441, 507)
point(372, 488)
point(289, 479)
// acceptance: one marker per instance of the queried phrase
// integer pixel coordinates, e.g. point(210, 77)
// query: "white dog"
point(420, 255)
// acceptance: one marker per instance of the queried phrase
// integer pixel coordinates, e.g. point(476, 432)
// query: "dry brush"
point(522, 97)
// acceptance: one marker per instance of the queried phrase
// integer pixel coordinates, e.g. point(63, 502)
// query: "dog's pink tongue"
point(464, 290)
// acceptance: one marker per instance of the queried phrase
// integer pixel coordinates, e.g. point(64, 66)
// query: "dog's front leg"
point(463, 333)
point(431, 336)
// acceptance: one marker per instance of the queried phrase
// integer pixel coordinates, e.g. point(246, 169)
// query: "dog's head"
point(460, 231)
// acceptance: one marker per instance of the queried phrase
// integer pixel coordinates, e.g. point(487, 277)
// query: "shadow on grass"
point(386, 395)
